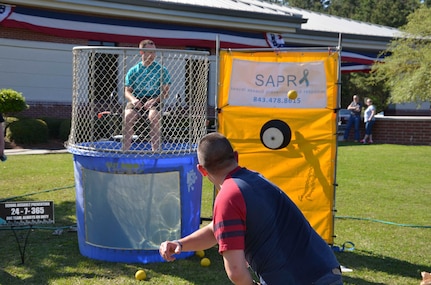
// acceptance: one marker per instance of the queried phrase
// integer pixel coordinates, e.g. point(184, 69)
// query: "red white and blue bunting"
point(123, 31)
point(131, 31)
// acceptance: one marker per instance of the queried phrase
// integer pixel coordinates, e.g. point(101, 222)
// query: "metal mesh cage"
point(99, 103)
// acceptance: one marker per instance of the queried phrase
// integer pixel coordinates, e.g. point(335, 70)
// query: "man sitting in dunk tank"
point(146, 85)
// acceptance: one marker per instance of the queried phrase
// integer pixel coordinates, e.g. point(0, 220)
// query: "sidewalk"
point(18, 151)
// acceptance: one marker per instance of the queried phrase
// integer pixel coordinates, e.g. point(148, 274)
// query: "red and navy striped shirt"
point(254, 215)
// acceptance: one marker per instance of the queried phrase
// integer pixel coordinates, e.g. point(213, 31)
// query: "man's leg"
point(130, 118)
point(155, 129)
point(348, 127)
point(357, 125)
point(2, 155)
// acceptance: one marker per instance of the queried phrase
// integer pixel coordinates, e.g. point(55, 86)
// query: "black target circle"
point(275, 134)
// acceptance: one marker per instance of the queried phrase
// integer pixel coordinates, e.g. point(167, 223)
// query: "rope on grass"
point(383, 222)
point(347, 246)
point(58, 229)
point(34, 193)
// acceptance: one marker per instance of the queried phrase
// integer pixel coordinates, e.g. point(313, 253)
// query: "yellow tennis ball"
point(140, 275)
point(205, 262)
point(200, 253)
point(292, 94)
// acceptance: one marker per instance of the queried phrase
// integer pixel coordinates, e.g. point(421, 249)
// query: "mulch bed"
point(51, 144)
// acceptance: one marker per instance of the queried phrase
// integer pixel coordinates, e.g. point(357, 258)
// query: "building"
point(37, 37)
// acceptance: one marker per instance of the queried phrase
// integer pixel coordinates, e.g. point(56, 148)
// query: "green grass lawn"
point(383, 200)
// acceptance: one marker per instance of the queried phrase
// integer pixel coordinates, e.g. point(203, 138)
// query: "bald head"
point(215, 153)
point(147, 43)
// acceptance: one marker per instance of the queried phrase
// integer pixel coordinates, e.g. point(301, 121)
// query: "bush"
point(54, 126)
point(11, 101)
point(64, 129)
point(27, 131)
point(9, 120)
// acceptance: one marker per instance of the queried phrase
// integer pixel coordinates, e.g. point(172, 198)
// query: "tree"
point(394, 15)
point(382, 12)
point(361, 83)
point(406, 71)
point(313, 5)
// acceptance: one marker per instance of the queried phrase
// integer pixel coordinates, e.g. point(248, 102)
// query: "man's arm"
point(199, 240)
point(163, 95)
point(128, 93)
point(236, 267)
point(165, 92)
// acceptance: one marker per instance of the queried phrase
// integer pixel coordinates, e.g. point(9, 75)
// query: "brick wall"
point(403, 130)
point(47, 110)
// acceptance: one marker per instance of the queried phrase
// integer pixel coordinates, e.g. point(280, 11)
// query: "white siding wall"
point(40, 71)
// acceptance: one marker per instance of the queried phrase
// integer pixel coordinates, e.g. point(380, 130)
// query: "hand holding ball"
point(292, 94)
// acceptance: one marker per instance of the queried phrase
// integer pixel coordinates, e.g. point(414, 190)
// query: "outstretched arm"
point(199, 240)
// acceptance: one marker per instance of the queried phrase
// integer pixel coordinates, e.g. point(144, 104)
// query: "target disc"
point(275, 134)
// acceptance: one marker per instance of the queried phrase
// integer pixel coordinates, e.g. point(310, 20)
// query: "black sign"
point(26, 213)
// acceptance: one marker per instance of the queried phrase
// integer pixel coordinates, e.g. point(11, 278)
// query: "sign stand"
point(22, 249)
point(24, 215)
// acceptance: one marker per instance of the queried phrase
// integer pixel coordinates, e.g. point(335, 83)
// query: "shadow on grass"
point(365, 260)
point(350, 143)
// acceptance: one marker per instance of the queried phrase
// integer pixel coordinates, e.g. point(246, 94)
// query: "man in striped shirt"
point(256, 224)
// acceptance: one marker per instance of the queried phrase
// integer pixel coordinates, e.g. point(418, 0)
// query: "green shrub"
point(27, 131)
point(11, 101)
point(9, 120)
point(54, 125)
point(64, 129)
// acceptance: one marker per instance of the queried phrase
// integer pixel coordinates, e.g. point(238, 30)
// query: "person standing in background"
point(2, 155)
point(369, 119)
point(355, 109)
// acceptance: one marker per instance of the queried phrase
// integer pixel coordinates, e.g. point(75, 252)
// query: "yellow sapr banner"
point(292, 142)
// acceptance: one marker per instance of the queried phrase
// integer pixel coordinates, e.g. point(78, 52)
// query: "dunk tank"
point(290, 138)
point(129, 200)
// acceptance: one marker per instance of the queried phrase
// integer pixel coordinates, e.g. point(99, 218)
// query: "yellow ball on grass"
point(140, 275)
point(200, 253)
point(205, 262)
